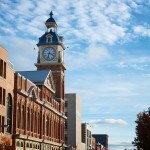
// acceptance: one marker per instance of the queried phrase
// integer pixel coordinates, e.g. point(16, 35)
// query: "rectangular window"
point(21, 80)
point(1, 67)
point(66, 103)
point(5, 70)
point(0, 124)
point(3, 124)
point(4, 97)
point(0, 95)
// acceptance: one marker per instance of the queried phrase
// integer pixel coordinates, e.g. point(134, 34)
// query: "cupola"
point(51, 23)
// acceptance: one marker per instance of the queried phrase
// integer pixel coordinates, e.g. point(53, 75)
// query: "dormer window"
point(49, 38)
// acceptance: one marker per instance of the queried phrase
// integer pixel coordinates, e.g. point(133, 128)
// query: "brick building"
point(6, 97)
point(35, 118)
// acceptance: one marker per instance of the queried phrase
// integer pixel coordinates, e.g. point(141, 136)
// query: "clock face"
point(49, 53)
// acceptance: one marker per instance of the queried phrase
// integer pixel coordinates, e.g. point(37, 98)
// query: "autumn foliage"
point(5, 140)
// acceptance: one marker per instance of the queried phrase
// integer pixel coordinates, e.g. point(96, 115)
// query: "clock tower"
point(51, 57)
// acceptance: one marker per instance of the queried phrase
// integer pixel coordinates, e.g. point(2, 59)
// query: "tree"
point(142, 139)
point(5, 140)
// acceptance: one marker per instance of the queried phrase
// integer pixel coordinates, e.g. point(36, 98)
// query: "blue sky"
point(107, 59)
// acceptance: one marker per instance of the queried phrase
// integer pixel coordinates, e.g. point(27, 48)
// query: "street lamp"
point(3, 126)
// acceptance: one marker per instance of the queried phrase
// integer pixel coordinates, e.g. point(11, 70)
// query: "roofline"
point(3, 48)
point(25, 78)
point(39, 83)
point(56, 43)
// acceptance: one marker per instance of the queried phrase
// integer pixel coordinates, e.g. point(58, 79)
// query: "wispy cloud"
point(142, 106)
point(93, 54)
point(142, 30)
point(95, 33)
point(95, 23)
point(133, 62)
point(98, 122)
point(121, 146)
point(21, 52)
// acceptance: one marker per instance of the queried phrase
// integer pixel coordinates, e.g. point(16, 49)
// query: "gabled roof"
point(40, 77)
point(35, 76)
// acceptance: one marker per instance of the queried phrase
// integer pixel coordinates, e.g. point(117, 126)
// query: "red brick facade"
point(6, 98)
point(39, 121)
point(32, 114)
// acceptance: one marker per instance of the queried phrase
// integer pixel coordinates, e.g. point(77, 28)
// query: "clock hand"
point(49, 54)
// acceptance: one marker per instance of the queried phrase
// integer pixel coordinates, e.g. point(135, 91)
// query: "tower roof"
point(50, 22)
point(55, 38)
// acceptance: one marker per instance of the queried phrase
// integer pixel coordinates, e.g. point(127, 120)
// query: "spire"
point(51, 14)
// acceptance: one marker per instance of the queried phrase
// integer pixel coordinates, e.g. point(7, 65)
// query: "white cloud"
point(98, 122)
point(142, 30)
point(89, 24)
point(93, 54)
point(9, 31)
point(122, 64)
point(121, 146)
point(120, 14)
point(134, 63)
point(86, 27)
point(142, 106)
point(21, 52)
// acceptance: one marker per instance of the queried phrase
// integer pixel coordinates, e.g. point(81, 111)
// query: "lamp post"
point(3, 126)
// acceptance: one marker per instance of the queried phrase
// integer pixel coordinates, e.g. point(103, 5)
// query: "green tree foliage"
point(142, 139)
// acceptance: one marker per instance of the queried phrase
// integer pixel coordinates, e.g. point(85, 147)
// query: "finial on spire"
point(51, 14)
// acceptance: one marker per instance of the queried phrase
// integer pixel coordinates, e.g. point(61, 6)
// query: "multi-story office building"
point(32, 102)
point(87, 136)
point(101, 139)
point(73, 124)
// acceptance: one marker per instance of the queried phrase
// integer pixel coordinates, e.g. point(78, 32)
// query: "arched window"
point(43, 124)
point(21, 144)
point(46, 125)
point(23, 117)
point(32, 116)
point(27, 145)
point(18, 143)
point(36, 124)
point(50, 125)
point(28, 122)
point(9, 113)
point(18, 116)
point(30, 145)
point(39, 122)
